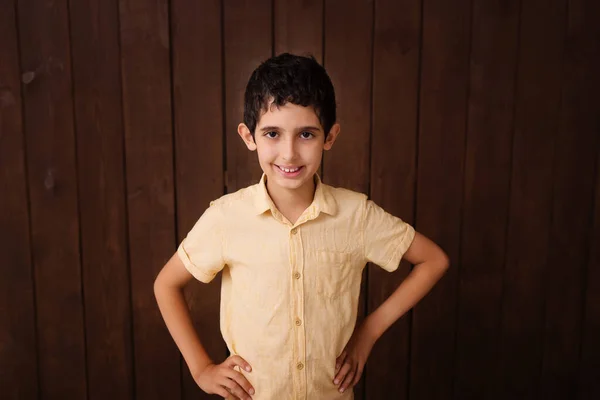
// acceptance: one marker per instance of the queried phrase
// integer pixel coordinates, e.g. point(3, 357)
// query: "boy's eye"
point(306, 135)
point(271, 134)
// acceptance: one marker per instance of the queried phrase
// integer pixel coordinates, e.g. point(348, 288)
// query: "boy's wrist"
point(370, 329)
point(198, 369)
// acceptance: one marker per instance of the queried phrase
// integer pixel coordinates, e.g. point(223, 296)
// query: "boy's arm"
point(430, 265)
point(168, 289)
point(221, 379)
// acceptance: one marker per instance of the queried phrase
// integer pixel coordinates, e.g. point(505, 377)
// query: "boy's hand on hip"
point(223, 380)
point(350, 364)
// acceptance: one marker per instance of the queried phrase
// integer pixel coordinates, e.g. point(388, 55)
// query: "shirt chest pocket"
point(333, 273)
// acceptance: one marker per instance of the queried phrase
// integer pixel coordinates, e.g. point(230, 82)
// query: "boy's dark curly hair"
point(290, 78)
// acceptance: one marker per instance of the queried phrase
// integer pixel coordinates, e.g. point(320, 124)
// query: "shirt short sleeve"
point(386, 237)
point(202, 250)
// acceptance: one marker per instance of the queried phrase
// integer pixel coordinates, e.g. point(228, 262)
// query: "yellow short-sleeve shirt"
point(289, 294)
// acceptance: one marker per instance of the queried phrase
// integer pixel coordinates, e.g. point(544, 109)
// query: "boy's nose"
point(288, 150)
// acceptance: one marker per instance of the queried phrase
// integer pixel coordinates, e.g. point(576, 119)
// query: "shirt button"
point(294, 231)
point(300, 366)
point(298, 322)
point(297, 275)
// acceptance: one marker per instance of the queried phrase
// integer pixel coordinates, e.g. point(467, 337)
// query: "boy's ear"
point(332, 136)
point(246, 136)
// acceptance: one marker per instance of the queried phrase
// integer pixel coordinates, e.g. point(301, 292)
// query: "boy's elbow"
point(157, 285)
point(160, 283)
point(444, 262)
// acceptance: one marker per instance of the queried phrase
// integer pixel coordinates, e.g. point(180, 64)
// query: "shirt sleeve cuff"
point(189, 265)
point(394, 262)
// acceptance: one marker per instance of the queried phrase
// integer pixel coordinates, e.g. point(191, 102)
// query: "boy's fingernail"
point(251, 391)
point(248, 368)
point(342, 390)
point(336, 381)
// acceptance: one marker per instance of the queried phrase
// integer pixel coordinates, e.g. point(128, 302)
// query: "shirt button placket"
point(298, 312)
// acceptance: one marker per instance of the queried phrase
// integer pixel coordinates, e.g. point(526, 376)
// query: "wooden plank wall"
point(475, 120)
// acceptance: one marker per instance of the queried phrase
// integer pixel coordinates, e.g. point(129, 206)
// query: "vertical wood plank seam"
point(513, 130)
point(323, 37)
point(223, 99)
point(272, 28)
point(133, 378)
point(78, 202)
point(588, 255)
point(28, 194)
point(415, 177)
point(586, 270)
point(174, 162)
point(418, 114)
point(462, 201)
point(370, 164)
point(552, 202)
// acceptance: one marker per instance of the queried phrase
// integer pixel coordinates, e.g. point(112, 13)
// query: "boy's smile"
point(290, 141)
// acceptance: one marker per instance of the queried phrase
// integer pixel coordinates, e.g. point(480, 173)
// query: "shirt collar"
point(323, 201)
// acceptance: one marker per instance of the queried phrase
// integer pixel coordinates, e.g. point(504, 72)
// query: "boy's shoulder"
point(240, 196)
point(346, 195)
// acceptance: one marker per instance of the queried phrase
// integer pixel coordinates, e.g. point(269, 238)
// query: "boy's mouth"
point(289, 171)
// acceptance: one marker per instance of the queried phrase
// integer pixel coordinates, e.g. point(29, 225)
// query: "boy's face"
point(290, 141)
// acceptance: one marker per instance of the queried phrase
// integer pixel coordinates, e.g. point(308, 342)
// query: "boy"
point(292, 250)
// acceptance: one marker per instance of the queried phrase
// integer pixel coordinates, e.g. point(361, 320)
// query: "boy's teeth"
point(289, 170)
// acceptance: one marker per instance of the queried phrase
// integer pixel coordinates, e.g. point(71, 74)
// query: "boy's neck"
point(292, 203)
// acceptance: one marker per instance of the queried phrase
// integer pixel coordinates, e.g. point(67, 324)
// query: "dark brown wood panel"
point(348, 43)
point(99, 131)
point(536, 117)
point(586, 14)
point(52, 181)
point(589, 368)
point(18, 356)
point(442, 124)
point(248, 41)
point(198, 113)
point(146, 77)
point(494, 40)
point(347, 58)
point(574, 166)
point(396, 56)
point(299, 27)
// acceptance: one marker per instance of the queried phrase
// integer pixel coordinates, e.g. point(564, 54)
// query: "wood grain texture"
point(396, 56)
point(537, 103)
point(493, 57)
point(99, 132)
point(440, 175)
point(299, 27)
point(52, 181)
point(18, 353)
point(589, 368)
point(574, 166)
point(199, 143)
point(146, 76)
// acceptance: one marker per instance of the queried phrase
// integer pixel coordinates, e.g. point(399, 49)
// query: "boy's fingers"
point(236, 389)
point(240, 362)
point(223, 392)
point(357, 377)
point(340, 375)
point(348, 380)
point(340, 360)
point(241, 380)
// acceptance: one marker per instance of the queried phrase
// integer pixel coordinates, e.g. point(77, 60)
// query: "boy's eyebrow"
point(276, 128)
